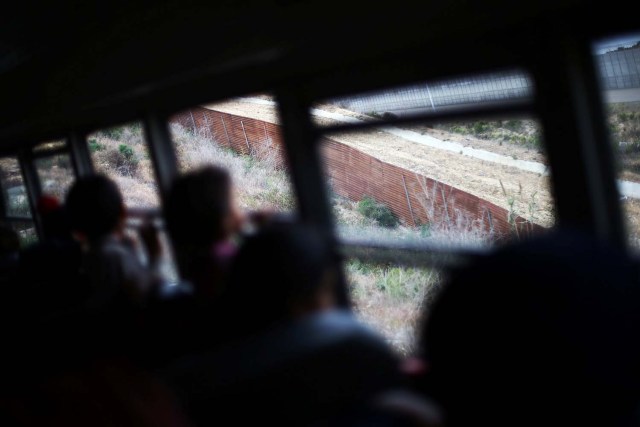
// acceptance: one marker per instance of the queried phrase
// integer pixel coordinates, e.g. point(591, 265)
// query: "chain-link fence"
point(496, 87)
point(619, 69)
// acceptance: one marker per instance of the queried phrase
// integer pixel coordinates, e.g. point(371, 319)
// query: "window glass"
point(457, 183)
point(55, 174)
point(621, 86)
point(15, 194)
point(121, 153)
point(242, 135)
point(465, 184)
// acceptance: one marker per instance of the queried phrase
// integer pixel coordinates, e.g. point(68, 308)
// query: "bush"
point(379, 212)
point(94, 146)
point(123, 160)
point(128, 153)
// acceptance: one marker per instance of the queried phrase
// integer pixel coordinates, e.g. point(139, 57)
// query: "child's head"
point(201, 207)
point(95, 207)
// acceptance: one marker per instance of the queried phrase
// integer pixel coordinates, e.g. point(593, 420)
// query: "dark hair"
point(197, 205)
point(281, 265)
point(95, 206)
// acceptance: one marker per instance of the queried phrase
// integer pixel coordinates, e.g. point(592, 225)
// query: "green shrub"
point(124, 160)
point(480, 127)
point(425, 229)
point(278, 198)
point(128, 153)
point(379, 212)
point(94, 145)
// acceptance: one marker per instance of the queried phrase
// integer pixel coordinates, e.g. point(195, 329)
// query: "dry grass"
point(392, 299)
point(134, 175)
point(259, 180)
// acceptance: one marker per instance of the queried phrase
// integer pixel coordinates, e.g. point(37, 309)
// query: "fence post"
point(195, 128)
point(446, 208)
point(490, 221)
point(246, 139)
point(225, 131)
point(406, 193)
point(206, 123)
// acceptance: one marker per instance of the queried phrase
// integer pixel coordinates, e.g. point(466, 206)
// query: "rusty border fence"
point(413, 198)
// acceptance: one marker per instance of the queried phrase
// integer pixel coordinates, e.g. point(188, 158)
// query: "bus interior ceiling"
point(93, 65)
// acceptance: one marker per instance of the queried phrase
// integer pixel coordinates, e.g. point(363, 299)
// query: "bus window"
point(243, 136)
point(55, 173)
point(121, 153)
point(618, 64)
point(15, 194)
point(456, 184)
point(392, 298)
point(17, 210)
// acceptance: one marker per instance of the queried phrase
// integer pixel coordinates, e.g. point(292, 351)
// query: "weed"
point(94, 145)
point(377, 211)
point(480, 127)
point(260, 180)
point(275, 198)
point(392, 298)
point(128, 153)
point(444, 222)
point(249, 162)
point(425, 230)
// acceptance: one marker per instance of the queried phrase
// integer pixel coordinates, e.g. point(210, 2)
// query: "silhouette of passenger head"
point(55, 221)
point(200, 207)
point(542, 332)
point(95, 207)
point(282, 272)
